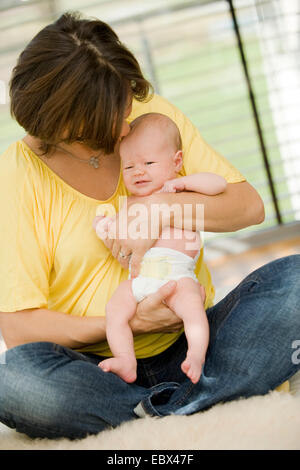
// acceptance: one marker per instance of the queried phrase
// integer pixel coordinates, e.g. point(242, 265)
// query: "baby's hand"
point(173, 186)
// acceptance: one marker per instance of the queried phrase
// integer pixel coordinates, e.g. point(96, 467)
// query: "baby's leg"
point(188, 303)
point(119, 310)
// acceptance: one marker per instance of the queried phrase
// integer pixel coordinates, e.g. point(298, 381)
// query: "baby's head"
point(151, 153)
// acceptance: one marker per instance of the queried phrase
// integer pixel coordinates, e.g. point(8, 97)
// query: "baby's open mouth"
point(142, 182)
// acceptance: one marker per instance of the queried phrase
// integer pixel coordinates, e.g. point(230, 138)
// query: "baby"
point(151, 158)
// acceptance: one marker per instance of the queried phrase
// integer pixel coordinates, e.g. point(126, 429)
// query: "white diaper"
point(160, 265)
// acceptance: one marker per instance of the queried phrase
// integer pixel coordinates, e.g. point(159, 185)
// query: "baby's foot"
point(124, 367)
point(192, 367)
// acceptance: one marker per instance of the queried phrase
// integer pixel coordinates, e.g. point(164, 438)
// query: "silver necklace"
point(93, 160)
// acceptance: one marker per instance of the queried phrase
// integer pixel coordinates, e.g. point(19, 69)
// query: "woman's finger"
point(124, 257)
point(163, 292)
point(115, 249)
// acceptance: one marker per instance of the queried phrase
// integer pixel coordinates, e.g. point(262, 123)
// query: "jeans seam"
point(186, 395)
point(147, 405)
point(151, 375)
point(150, 409)
point(235, 299)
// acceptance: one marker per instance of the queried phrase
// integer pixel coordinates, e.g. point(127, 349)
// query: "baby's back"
point(186, 241)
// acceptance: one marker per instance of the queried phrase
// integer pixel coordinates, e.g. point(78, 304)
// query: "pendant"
point(94, 161)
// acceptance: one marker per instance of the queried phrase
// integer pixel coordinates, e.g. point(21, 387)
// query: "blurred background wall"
point(233, 67)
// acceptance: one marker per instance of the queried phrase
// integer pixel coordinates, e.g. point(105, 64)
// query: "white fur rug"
point(270, 422)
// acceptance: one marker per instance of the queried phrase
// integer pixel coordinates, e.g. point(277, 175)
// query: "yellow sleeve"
point(198, 156)
point(25, 251)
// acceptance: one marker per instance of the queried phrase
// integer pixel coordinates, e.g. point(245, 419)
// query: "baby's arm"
point(204, 183)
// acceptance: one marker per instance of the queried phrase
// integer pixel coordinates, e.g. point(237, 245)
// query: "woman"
point(74, 90)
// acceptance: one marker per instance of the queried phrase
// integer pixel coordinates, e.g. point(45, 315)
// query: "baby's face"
point(148, 161)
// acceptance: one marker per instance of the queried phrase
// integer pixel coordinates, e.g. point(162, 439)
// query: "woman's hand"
point(153, 316)
point(130, 233)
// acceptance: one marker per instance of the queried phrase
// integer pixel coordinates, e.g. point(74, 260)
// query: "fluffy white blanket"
point(263, 422)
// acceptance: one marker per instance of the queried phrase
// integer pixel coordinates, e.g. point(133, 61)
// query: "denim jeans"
point(47, 390)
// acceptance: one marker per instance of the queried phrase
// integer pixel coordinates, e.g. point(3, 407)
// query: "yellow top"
point(50, 254)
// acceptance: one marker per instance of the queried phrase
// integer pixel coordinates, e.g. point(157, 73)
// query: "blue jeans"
point(47, 390)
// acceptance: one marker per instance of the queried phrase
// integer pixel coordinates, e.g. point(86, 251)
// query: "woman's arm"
point(28, 326)
point(239, 206)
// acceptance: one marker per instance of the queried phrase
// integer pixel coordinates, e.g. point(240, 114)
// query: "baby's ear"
point(178, 160)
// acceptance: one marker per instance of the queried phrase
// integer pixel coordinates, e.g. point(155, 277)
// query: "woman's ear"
point(178, 161)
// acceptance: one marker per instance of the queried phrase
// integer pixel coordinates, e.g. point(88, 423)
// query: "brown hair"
point(72, 82)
